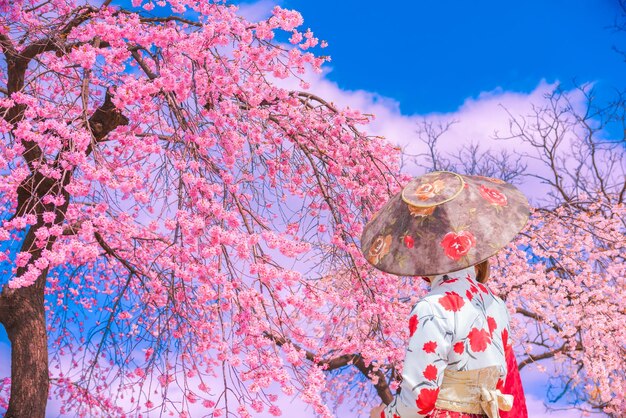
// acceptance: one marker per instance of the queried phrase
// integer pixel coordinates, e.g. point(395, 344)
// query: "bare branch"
point(382, 387)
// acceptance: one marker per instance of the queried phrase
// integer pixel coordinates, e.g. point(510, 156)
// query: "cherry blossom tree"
point(574, 248)
point(177, 229)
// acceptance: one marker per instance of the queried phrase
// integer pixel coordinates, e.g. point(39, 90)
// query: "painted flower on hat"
point(456, 245)
point(434, 215)
point(421, 212)
point(495, 197)
point(379, 248)
point(429, 190)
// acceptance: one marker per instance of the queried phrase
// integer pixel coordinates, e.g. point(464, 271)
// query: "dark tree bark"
point(25, 322)
point(22, 311)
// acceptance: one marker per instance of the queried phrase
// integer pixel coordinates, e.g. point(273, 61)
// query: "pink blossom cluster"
point(212, 233)
point(565, 281)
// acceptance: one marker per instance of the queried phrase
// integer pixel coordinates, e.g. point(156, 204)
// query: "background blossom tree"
point(574, 250)
point(180, 233)
point(564, 276)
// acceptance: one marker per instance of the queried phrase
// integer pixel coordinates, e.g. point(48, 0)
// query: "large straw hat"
point(443, 222)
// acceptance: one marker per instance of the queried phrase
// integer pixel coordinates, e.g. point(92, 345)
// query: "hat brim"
point(469, 219)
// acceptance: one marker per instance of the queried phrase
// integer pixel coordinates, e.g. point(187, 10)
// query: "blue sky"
point(432, 55)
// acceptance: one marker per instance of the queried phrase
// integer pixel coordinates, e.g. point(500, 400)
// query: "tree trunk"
point(22, 310)
point(25, 322)
point(23, 315)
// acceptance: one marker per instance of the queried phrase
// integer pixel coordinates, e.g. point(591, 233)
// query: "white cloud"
point(256, 11)
point(476, 121)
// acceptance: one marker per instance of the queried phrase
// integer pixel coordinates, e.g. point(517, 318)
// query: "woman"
point(445, 226)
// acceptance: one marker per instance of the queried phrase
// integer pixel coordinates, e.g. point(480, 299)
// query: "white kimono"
point(459, 325)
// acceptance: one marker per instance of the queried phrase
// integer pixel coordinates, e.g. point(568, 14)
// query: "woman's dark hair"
point(482, 271)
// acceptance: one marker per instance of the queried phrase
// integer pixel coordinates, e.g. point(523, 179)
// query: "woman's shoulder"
point(457, 296)
point(440, 302)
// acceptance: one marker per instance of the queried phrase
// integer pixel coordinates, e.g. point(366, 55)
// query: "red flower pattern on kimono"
point(472, 287)
point(452, 302)
point(505, 339)
point(426, 400)
point(492, 325)
point(479, 339)
point(430, 347)
point(430, 372)
point(482, 287)
point(412, 325)
point(459, 347)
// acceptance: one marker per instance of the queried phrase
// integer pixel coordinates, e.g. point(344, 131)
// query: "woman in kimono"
point(444, 226)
